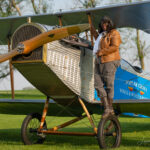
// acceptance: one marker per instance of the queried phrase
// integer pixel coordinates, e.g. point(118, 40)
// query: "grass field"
point(19, 94)
point(135, 132)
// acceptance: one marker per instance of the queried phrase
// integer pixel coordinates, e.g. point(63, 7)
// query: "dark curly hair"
point(110, 26)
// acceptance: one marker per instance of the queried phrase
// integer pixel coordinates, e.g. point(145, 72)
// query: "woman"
point(106, 51)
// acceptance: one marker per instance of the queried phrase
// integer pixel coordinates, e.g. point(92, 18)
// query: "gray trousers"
point(104, 77)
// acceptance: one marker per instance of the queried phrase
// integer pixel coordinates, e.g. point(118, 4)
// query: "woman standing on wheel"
point(107, 59)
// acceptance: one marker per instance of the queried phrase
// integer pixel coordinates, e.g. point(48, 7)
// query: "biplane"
point(59, 63)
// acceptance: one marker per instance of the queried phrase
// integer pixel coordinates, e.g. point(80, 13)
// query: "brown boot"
point(107, 111)
point(110, 101)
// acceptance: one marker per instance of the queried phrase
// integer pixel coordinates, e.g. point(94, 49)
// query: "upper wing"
point(134, 15)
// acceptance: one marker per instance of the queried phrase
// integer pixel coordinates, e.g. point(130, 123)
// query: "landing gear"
point(109, 132)
point(34, 129)
point(29, 130)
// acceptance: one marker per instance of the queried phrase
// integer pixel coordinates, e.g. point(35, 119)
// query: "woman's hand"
point(98, 53)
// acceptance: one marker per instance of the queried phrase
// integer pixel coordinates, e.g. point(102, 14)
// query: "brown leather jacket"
point(109, 46)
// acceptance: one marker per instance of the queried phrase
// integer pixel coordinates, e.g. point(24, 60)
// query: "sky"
point(19, 81)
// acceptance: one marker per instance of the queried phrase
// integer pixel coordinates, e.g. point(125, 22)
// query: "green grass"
point(19, 94)
point(135, 134)
point(135, 131)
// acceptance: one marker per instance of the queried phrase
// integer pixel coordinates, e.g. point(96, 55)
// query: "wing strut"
point(11, 72)
point(60, 20)
point(90, 22)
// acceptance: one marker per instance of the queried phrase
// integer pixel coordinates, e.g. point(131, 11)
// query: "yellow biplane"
point(60, 64)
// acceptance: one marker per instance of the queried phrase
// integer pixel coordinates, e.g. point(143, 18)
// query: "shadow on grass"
point(10, 136)
point(134, 126)
point(134, 143)
point(13, 137)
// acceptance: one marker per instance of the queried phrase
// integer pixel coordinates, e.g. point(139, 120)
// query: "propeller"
point(43, 38)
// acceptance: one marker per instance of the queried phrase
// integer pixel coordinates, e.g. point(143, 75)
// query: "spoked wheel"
point(29, 130)
point(109, 132)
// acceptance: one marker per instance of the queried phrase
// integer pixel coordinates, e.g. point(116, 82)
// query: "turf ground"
point(25, 94)
point(135, 132)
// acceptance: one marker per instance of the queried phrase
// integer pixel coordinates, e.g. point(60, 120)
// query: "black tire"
point(29, 128)
point(109, 132)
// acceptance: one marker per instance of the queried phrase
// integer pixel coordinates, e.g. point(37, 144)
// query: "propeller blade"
point(9, 55)
point(43, 38)
point(52, 35)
